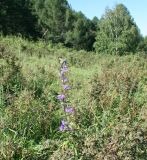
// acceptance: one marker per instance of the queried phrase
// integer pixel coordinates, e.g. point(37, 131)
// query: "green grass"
point(109, 94)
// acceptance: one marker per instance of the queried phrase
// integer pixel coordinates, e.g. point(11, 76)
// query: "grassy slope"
point(109, 94)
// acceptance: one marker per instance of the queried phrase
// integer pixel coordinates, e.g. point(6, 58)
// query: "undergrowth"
point(108, 92)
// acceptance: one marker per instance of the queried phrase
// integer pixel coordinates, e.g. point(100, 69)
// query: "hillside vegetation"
point(56, 21)
point(71, 88)
point(109, 94)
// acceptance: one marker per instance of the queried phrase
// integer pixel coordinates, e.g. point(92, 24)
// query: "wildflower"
point(61, 97)
point(64, 69)
point(69, 110)
point(62, 74)
point(64, 126)
point(64, 80)
point(66, 87)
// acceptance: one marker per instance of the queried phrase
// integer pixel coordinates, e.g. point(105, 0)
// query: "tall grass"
point(109, 93)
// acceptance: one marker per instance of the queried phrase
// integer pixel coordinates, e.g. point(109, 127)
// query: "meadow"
point(109, 94)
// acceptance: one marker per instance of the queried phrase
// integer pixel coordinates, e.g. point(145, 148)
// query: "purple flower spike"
point(65, 67)
point(69, 110)
point(64, 80)
point(63, 126)
point(66, 87)
point(63, 70)
point(61, 97)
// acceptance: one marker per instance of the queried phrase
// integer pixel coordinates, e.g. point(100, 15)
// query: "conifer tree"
point(16, 18)
point(51, 18)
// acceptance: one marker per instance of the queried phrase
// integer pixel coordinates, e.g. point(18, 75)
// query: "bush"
point(117, 92)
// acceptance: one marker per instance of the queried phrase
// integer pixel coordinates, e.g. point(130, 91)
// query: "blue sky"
point(91, 8)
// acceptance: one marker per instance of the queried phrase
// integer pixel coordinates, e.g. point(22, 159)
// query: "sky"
point(91, 8)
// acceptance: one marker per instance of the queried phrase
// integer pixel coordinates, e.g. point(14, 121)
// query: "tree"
point(16, 18)
point(142, 46)
point(51, 18)
point(81, 34)
point(117, 32)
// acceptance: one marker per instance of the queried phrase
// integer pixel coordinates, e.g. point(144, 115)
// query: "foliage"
point(16, 18)
point(117, 32)
point(119, 83)
point(142, 46)
point(55, 21)
point(82, 33)
point(51, 18)
point(109, 93)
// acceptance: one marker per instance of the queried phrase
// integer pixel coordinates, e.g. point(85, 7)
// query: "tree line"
point(55, 20)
